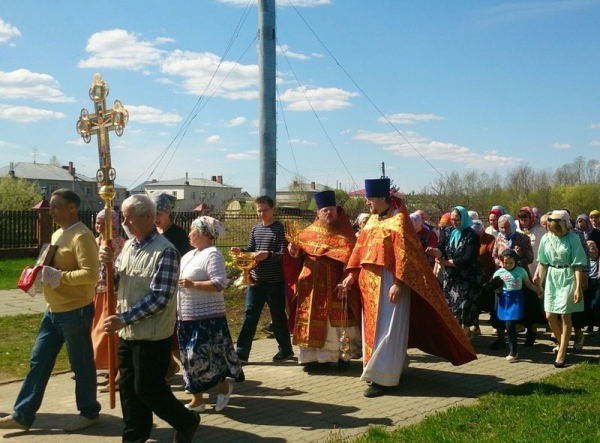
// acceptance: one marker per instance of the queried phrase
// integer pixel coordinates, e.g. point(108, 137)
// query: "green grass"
point(10, 270)
point(19, 334)
point(562, 407)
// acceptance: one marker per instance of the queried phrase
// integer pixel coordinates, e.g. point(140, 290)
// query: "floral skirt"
point(207, 353)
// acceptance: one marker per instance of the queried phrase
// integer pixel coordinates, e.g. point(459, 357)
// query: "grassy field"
point(10, 270)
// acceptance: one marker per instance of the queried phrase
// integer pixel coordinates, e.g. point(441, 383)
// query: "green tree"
point(17, 194)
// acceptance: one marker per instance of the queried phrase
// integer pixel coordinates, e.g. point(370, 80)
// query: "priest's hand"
point(344, 286)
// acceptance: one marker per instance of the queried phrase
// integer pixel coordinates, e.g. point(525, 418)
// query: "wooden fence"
point(19, 230)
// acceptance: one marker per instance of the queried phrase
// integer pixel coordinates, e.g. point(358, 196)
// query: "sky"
point(426, 88)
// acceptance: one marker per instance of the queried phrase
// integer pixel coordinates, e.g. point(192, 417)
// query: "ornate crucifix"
point(100, 123)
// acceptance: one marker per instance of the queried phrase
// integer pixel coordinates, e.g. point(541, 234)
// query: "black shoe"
point(282, 356)
point(560, 365)
point(375, 390)
point(243, 360)
point(498, 345)
point(187, 435)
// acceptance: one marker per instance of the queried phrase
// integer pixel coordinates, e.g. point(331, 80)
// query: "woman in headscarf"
point(510, 238)
point(493, 216)
point(99, 336)
point(207, 351)
point(562, 259)
point(438, 269)
point(530, 226)
point(458, 251)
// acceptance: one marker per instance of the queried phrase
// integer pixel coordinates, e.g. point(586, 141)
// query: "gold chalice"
point(245, 261)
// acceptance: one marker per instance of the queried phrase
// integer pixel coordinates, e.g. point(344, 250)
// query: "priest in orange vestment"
point(321, 317)
point(402, 303)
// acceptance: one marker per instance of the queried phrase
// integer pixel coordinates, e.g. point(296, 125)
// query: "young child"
point(511, 301)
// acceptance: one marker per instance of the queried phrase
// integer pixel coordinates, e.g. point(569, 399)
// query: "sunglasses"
point(557, 220)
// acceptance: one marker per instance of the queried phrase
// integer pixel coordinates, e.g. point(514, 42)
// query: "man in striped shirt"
point(267, 241)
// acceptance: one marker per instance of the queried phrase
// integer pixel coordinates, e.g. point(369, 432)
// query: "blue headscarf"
point(513, 228)
point(589, 228)
point(465, 222)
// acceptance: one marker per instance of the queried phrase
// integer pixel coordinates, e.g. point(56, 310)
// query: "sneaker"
point(268, 328)
point(80, 423)
point(9, 422)
point(512, 358)
point(200, 408)
point(223, 399)
point(283, 356)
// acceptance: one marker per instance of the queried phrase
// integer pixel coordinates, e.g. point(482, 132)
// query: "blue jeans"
point(256, 296)
point(72, 328)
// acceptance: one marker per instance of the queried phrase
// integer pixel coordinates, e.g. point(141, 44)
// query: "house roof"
point(201, 182)
point(45, 172)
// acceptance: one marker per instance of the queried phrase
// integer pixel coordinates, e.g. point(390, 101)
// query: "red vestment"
point(326, 250)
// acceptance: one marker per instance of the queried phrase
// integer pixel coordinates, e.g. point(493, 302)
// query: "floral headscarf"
point(164, 202)
point(116, 221)
point(209, 226)
point(465, 222)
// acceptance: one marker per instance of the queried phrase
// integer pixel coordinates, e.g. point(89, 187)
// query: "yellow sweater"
point(77, 257)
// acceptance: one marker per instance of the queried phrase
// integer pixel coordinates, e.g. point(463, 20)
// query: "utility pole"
point(383, 170)
point(267, 121)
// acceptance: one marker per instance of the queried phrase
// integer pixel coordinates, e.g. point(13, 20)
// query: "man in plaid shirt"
point(148, 270)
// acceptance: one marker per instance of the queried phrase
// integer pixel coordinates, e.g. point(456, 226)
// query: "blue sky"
point(468, 85)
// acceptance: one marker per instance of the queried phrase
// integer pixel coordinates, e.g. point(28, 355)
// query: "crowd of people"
point(338, 291)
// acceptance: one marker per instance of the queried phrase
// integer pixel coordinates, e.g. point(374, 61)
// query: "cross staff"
point(100, 123)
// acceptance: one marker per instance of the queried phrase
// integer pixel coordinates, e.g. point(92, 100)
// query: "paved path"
point(280, 403)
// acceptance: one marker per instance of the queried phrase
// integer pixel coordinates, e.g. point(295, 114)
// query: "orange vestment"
point(392, 243)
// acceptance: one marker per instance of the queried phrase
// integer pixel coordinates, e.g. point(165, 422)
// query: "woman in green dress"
point(561, 258)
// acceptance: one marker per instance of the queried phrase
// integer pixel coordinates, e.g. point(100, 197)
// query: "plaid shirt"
point(162, 286)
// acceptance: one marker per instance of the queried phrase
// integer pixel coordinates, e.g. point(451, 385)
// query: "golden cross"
point(100, 123)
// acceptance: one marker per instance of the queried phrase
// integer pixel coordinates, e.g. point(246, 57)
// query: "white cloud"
point(409, 119)
point(213, 139)
point(232, 80)
point(435, 150)
point(7, 32)
point(3, 144)
point(319, 99)
point(298, 141)
point(118, 48)
point(79, 142)
point(285, 50)
point(248, 155)
point(24, 84)
point(561, 145)
point(595, 126)
point(595, 143)
point(147, 114)
point(297, 3)
point(237, 121)
point(25, 114)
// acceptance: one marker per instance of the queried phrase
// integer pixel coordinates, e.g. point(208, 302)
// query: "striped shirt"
point(268, 238)
point(163, 284)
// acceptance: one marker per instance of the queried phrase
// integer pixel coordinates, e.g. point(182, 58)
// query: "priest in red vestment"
point(402, 303)
point(323, 319)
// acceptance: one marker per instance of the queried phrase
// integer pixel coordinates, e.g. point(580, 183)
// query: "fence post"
point(44, 222)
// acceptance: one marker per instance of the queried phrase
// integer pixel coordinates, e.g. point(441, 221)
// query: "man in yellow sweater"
point(69, 291)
